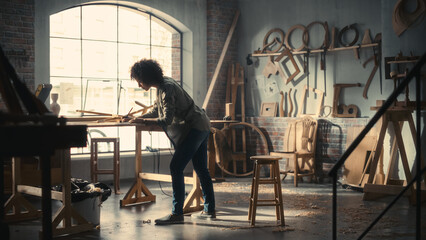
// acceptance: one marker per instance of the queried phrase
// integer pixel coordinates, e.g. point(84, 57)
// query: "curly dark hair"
point(147, 71)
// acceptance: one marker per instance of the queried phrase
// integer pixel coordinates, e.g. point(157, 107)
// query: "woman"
point(187, 126)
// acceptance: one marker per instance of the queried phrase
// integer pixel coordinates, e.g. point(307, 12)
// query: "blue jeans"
point(194, 147)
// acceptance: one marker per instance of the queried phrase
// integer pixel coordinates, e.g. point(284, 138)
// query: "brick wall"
point(176, 54)
point(220, 14)
point(17, 38)
point(331, 137)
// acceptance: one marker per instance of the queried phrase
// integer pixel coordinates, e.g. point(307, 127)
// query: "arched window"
point(92, 48)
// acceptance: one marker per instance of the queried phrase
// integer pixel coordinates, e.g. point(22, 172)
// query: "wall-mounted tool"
point(373, 72)
point(354, 41)
point(403, 19)
point(341, 110)
point(303, 100)
point(279, 65)
point(269, 109)
point(376, 58)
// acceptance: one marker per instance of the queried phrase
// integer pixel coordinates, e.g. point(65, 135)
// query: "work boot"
point(169, 219)
point(204, 215)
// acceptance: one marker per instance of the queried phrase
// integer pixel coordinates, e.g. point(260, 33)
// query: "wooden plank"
point(96, 113)
point(384, 189)
point(162, 177)
point(282, 104)
point(402, 152)
point(36, 191)
point(221, 58)
point(354, 165)
point(269, 109)
point(228, 84)
point(378, 149)
point(392, 159)
point(130, 201)
point(413, 134)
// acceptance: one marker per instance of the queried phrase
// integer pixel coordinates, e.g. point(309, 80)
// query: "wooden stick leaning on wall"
point(290, 111)
point(303, 101)
point(282, 104)
point(221, 58)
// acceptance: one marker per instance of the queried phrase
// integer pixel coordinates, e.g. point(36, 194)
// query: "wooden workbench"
point(139, 192)
point(396, 116)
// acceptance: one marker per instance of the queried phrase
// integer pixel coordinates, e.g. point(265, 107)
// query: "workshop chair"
point(299, 149)
point(274, 179)
point(94, 160)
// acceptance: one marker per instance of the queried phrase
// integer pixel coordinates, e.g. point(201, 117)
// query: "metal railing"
point(415, 72)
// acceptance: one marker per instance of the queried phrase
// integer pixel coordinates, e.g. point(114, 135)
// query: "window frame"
point(117, 80)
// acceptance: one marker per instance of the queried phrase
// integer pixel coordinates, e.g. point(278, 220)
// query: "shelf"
point(318, 50)
point(404, 61)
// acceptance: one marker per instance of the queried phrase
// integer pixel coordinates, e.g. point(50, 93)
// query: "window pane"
point(163, 55)
point(127, 139)
point(160, 140)
point(100, 95)
point(100, 22)
point(131, 92)
point(65, 23)
point(65, 58)
point(99, 59)
point(69, 91)
point(128, 54)
point(161, 33)
point(128, 95)
point(133, 26)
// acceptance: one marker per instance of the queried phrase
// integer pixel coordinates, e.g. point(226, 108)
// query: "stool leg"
point(92, 159)
point(276, 179)
point(255, 195)
point(95, 163)
point(280, 195)
point(116, 167)
point(296, 170)
point(252, 192)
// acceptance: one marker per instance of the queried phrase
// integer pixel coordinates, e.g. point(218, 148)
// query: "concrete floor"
point(307, 211)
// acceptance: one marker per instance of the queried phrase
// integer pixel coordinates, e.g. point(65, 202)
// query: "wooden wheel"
point(225, 149)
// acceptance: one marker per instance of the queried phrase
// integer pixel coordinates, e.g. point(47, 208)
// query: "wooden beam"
point(318, 50)
point(221, 58)
point(36, 191)
point(162, 177)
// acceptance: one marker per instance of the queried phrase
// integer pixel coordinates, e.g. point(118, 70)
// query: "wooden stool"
point(274, 179)
point(94, 171)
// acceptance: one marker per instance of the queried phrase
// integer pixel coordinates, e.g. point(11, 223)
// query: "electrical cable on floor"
point(158, 171)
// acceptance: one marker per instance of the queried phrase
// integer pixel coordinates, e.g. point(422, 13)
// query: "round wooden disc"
point(298, 26)
point(352, 27)
point(280, 43)
point(306, 35)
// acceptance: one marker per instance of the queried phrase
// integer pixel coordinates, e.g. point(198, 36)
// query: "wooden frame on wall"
point(303, 100)
point(268, 109)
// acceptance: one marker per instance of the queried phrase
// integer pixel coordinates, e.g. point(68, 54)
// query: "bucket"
point(89, 209)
